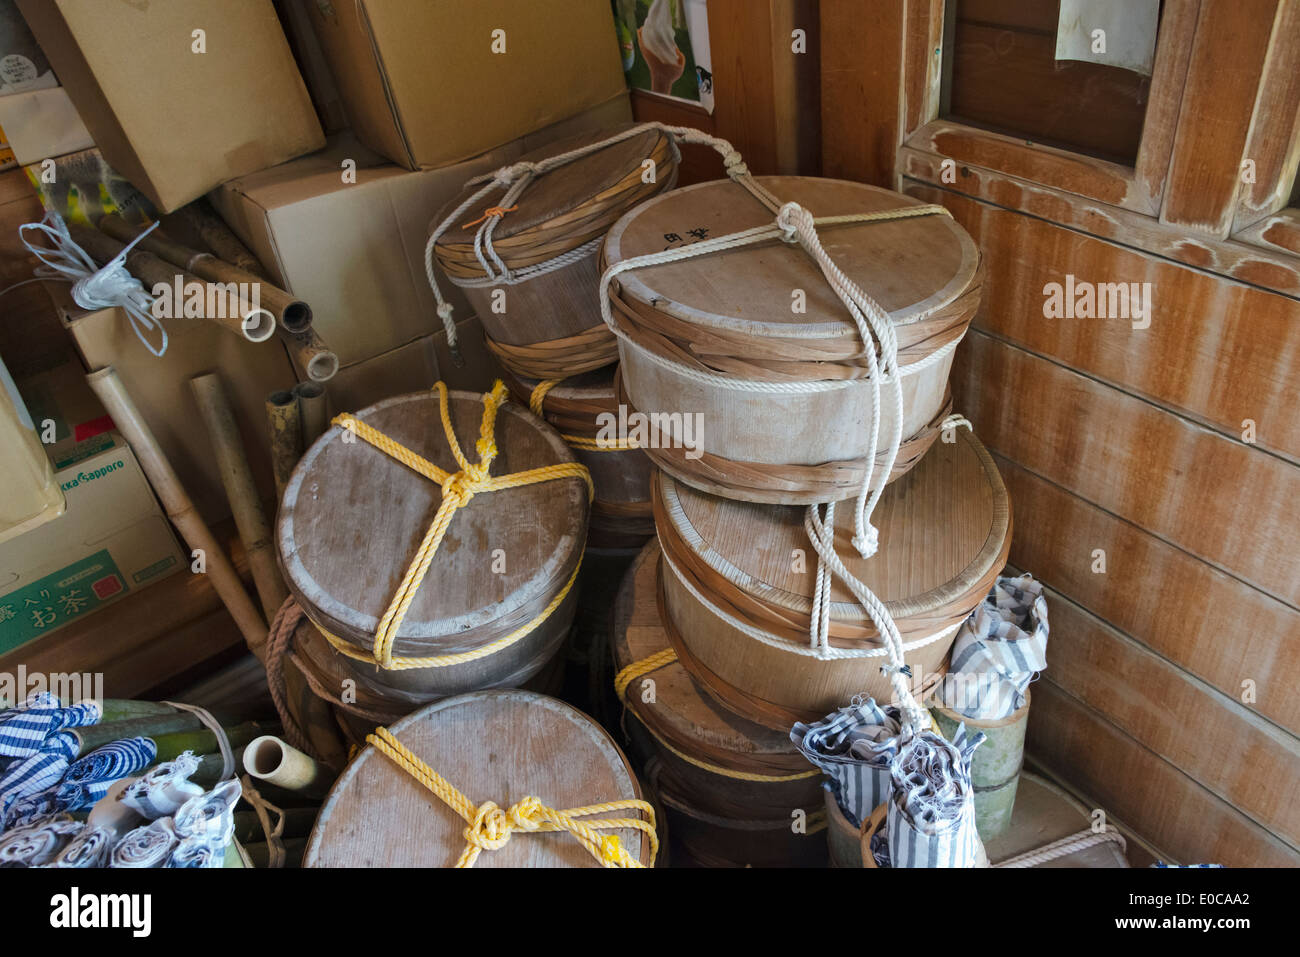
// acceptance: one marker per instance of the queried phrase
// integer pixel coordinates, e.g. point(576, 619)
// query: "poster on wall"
point(665, 47)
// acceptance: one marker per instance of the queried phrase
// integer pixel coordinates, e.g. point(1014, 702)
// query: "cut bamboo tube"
point(124, 709)
point(180, 509)
point(272, 760)
point(220, 238)
point(153, 271)
point(241, 490)
point(313, 408)
point(285, 420)
point(311, 354)
point(212, 765)
point(293, 314)
point(204, 742)
point(154, 726)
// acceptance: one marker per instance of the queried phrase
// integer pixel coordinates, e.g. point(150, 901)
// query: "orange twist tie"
point(491, 211)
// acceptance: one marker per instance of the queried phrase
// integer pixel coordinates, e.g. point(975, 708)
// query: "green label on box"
point(157, 568)
point(57, 599)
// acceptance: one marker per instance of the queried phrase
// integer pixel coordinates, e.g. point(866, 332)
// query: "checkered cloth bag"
point(998, 651)
point(89, 777)
point(930, 819)
point(39, 771)
point(854, 747)
point(23, 729)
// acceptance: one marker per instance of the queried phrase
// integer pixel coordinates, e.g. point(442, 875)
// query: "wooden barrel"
point(738, 583)
point(499, 746)
point(353, 518)
point(1044, 814)
point(765, 314)
point(995, 765)
point(542, 319)
point(577, 406)
point(843, 839)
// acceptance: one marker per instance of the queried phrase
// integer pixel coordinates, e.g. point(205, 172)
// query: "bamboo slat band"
point(590, 349)
point(536, 401)
point(458, 488)
point(490, 828)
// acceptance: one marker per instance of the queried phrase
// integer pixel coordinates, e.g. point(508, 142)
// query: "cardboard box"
point(415, 367)
point(68, 415)
point(160, 389)
point(430, 84)
point(42, 123)
point(355, 250)
point(23, 65)
point(174, 113)
point(112, 540)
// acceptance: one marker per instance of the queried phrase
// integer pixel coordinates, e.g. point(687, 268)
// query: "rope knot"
point(444, 311)
point(490, 829)
point(611, 851)
point(527, 814)
point(491, 211)
point(790, 219)
point(508, 175)
point(868, 543)
point(734, 164)
point(464, 485)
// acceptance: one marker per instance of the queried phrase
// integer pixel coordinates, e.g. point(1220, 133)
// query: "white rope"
point(94, 287)
point(516, 177)
point(1065, 847)
point(822, 651)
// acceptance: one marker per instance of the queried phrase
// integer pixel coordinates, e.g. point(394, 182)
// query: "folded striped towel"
point(162, 790)
point(90, 848)
point(930, 820)
point(998, 651)
point(89, 777)
point(147, 846)
point(23, 729)
point(37, 844)
point(854, 747)
point(37, 772)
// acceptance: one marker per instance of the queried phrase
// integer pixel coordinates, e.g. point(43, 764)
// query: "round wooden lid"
point(583, 196)
point(683, 713)
point(352, 518)
point(945, 528)
point(909, 266)
point(497, 746)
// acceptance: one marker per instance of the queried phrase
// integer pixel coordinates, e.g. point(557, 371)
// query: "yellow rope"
point(458, 488)
point(666, 657)
point(490, 828)
point(535, 402)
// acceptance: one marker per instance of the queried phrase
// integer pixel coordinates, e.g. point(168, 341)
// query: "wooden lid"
point(683, 714)
point(909, 266)
point(352, 518)
point(497, 746)
point(569, 205)
point(945, 529)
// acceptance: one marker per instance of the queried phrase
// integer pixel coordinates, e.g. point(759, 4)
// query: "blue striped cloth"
point(23, 729)
point(37, 772)
point(89, 778)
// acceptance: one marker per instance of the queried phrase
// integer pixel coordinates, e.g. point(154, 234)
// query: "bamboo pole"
point(204, 742)
point(220, 238)
point(180, 509)
point(241, 490)
point(293, 314)
point(311, 354)
point(313, 408)
point(272, 760)
point(285, 420)
point(153, 271)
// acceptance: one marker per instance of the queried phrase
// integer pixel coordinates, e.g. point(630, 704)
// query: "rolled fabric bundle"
point(91, 847)
point(162, 791)
point(210, 816)
point(37, 844)
point(931, 813)
point(89, 778)
point(111, 813)
point(148, 846)
point(23, 729)
point(197, 852)
point(999, 650)
point(37, 772)
point(33, 808)
point(854, 748)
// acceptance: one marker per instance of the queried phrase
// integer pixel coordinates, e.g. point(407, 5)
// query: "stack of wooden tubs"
point(711, 641)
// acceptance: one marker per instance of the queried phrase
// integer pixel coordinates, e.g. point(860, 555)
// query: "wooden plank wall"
point(1164, 529)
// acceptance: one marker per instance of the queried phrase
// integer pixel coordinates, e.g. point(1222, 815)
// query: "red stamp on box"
point(106, 587)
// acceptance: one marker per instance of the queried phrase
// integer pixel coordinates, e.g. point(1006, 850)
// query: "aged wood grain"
point(492, 746)
point(1203, 620)
point(1218, 351)
point(1218, 498)
point(1212, 737)
point(1162, 803)
point(1227, 60)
